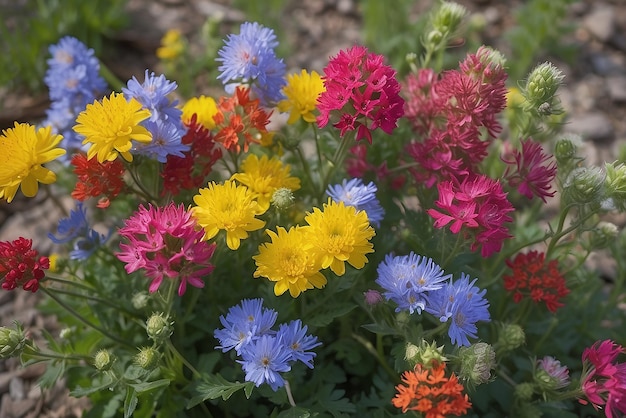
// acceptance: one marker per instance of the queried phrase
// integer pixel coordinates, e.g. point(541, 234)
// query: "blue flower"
point(243, 324)
point(264, 360)
point(362, 197)
point(464, 304)
point(153, 95)
point(76, 228)
point(293, 336)
point(86, 245)
point(407, 280)
point(166, 140)
point(249, 58)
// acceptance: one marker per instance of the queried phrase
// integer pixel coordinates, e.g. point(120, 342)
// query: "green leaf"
point(148, 386)
point(215, 386)
point(324, 318)
point(295, 412)
point(130, 402)
point(107, 381)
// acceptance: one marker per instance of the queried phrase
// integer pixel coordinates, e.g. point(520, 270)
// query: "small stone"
point(16, 389)
point(616, 86)
point(601, 23)
point(592, 126)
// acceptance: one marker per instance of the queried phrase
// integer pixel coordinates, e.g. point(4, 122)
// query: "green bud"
point(565, 152)
point(66, 333)
point(140, 300)
point(403, 318)
point(12, 341)
point(492, 57)
point(283, 198)
point(158, 327)
point(542, 84)
point(434, 37)
point(147, 358)
point(448, 17)
point(511, 336)
point(603, 235)
point(290, 142)
point(550, 374)
point(477, 361)
point(616, 185)
point(103, 360)
point(585, 185)
point(524, 391)
point(424, 354)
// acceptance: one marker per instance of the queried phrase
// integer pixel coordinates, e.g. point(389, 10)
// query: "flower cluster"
point(75, 229)
point(21, 265)
point(265, 353)
point(604, 383)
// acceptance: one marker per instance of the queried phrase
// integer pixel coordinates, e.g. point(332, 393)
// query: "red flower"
point(191, 171)
point(604, 379)
point(533, 277)
point(20, 265)
point(533, 173)
point(361, 93)
point(429, 391)
point(104, 180)
point(477, 208)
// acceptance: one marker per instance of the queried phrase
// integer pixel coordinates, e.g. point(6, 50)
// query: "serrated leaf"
point(148, 386)
point(215, 386)
point(381, 329)
point(328, 315)
point(130, 402)
point(295, 412)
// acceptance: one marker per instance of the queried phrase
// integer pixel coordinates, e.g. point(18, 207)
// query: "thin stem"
point(113, 81)
point(378, 355)
point(32, 352)
point(289, 395)
point(98, 300)
point(177, 354)
point(84, 320)
point(55, 278)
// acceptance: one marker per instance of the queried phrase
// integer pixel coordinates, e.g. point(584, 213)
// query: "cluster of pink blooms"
point(478, 208)
point(20, 265)
point(166, 242)
point(604, 379)
point(361, 93)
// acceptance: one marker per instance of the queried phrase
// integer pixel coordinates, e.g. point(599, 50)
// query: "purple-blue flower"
point(166, 140)
point(293, 335)
point(462, 303)
point(264, 360)
point(153, 95)
point(249, 58)
point(409, 279)
point(243, 324)
point(76, 228)
point(362, 197)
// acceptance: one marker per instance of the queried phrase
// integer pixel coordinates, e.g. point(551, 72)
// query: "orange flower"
point(429, 391)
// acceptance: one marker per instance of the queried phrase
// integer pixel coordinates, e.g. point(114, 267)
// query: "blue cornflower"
point(293, 336)
point(243, 324)
point(153, 95)
point(407, 280)
point(249, 58)
point(462, 302)
point(362, 197)
point(264, 360)
point(76, 228)
point(166, 140)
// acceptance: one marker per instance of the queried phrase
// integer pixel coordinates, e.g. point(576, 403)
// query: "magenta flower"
point(555, 370)
point(166, 243)
point(361, 93)
point(531, 171)
point(604, 379)
point(477, 208)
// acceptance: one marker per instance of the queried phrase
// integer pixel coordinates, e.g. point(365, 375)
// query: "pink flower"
point(478, 208)
point(533, 173)
point(361, 93)
point(555, 370)
point(167, 245)
point(604, 379)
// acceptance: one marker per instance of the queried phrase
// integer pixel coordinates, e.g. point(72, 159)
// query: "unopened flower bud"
point(616, 184)
point(103, 360)
point(550, 374)
point(565, 152)
point(541, 87)
point(434, 37)
point(158, 327)
point(66, 333)
point(424, 354)
point(402, 318)
point(511, 337)
point(477, 361)
point(283, 198)
point(448, 17)
point(524, 391)
point(372, 297)
point(492, 57)
point(585, 185)
point(12, 341)
point(603, 235)
point(140, 300)
point(147, 358)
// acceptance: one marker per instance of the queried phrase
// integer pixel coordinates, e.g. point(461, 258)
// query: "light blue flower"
point(243, 324)
point(360, 196)
point(298, 343)
point(264, 360)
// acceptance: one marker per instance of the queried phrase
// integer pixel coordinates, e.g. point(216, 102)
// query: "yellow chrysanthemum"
point(23, 150)
point(340, 233)
point(263, 177)
point(111, 125)
point(301, 91)
point(204, 107)
point(227, 207)
point(290, 261)
point(172, 45)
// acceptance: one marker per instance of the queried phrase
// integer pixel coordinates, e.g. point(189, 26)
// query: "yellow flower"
point(22, 153)
point(290, 261)
point(340, 233)
point(172, 45)
point(227, 207)
point(111, 125)
point(204, 107)
point(301, 91)
point(263, 177)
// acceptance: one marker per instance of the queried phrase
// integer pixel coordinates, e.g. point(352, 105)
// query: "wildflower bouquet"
point(357, 242)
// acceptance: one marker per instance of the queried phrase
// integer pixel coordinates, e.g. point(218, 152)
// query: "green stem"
point(82, 319)
point(177, 354)
point(41, 356)
point(113, 81)
point(562, 232)
point(98, 300)
point(377, 354)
